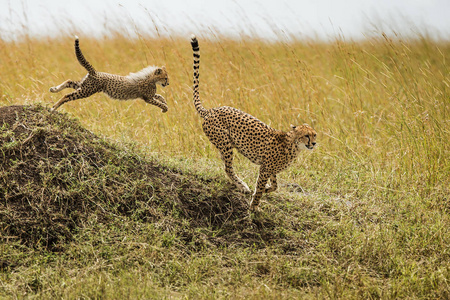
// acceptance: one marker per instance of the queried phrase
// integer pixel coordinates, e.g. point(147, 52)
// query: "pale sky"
point(324, 19)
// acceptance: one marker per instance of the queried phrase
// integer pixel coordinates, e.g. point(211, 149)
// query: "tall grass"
point(380, 106)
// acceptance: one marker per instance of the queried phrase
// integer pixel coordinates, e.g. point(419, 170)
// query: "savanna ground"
point(110, 199)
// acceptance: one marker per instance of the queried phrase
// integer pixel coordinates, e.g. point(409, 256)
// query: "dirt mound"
point(54, 175)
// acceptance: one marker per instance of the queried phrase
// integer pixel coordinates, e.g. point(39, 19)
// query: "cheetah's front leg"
point(160, 98)
point(157, 100)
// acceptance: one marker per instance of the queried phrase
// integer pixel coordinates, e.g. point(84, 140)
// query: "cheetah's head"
point(161, 76)
point(304, 135)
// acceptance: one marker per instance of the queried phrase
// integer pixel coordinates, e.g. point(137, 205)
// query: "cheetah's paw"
point(243, 188)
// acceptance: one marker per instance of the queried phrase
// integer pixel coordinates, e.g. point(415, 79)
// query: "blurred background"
point(320, 19)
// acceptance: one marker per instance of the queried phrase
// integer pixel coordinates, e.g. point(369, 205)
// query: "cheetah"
point(135, 85)
point(227, 128)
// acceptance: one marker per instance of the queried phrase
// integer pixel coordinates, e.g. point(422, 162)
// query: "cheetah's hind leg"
point(273, 184)
point(66, 84)
point(78, 94)
point(227, 157)
point(218, 136)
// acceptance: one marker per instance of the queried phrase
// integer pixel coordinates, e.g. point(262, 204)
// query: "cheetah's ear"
point(158, 71)
point(293, 127)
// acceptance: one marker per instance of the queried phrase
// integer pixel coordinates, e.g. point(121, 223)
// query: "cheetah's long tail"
point(81, 58)
point(197, 103)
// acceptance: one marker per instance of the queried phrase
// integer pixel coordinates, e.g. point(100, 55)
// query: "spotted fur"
point(135, 85)
point(271, 149)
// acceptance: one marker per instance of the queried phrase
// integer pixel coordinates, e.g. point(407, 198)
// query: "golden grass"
point(381, 104)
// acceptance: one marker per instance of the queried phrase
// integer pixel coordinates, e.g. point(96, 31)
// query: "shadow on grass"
point(55, 175)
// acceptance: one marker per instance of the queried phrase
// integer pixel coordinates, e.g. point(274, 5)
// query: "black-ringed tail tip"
point(194, 43)
point(76, 37)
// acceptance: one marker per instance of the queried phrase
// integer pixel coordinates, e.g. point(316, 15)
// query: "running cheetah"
point(271, 149)
point(135, 85)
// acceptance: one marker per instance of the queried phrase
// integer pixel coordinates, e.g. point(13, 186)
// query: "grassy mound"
point(56, 174)
point(80, 215)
